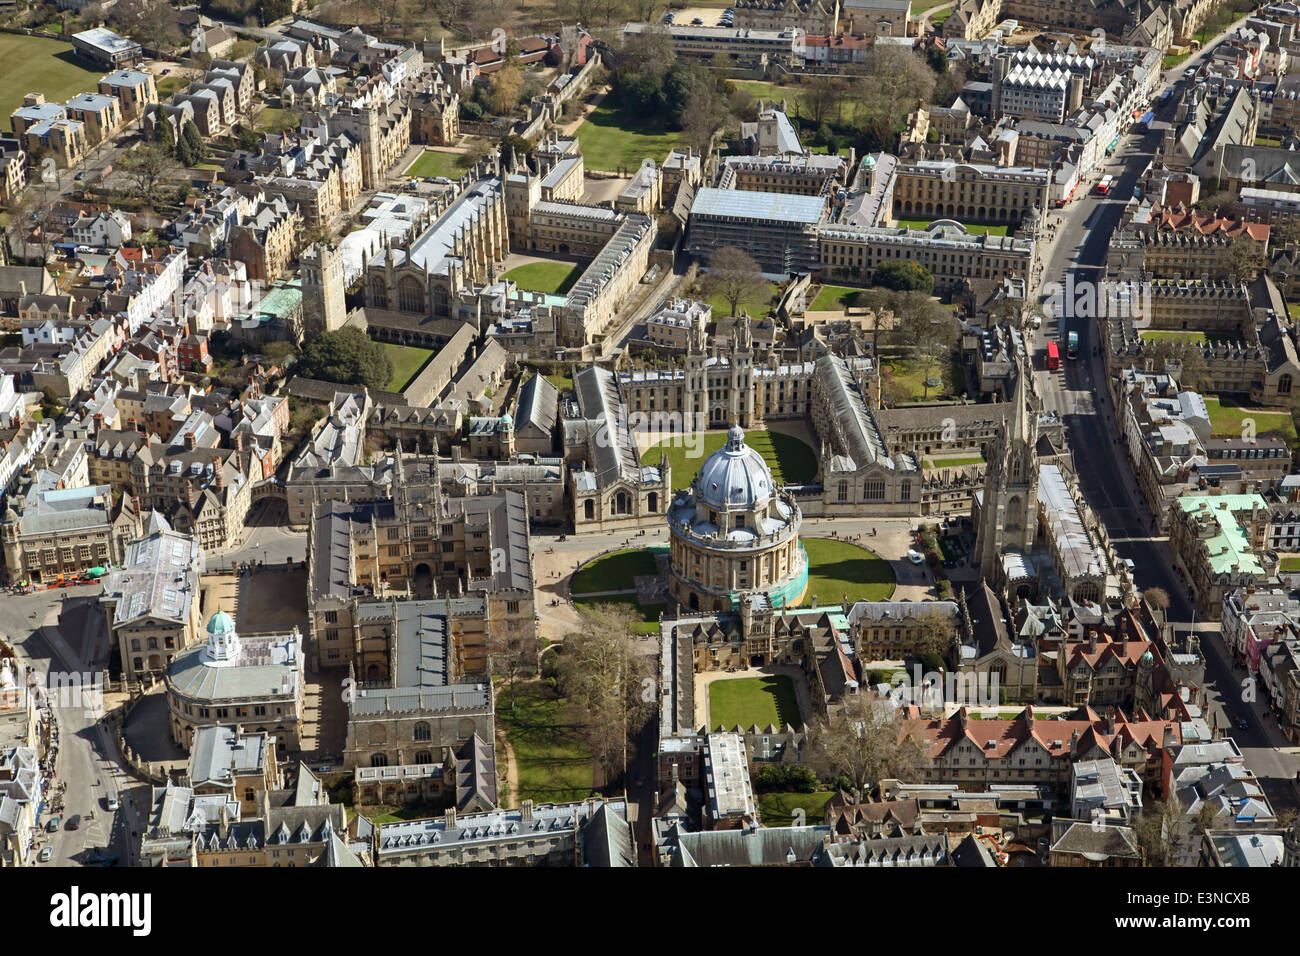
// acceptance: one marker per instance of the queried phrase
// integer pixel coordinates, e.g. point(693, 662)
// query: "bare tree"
point(734, 275)
point(1157, 597)
point(608, 684)
point(896, 81)
point(863, 739)
point(147, 165)
point(1163, 832)
point(705, 114)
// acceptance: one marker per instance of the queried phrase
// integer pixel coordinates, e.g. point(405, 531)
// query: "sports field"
point(40, 65)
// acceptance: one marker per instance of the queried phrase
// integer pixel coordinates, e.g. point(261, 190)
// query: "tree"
point(935, 636)
point(903, 275)
point(1163, 831)
point(146, 166)
point(734, 275)
point(505, 90)
point(347, 357)
point(862, 738)
point(191, 135)
point(704, 114)
point(1241, 259)
point(609, 684)
point(896, 81)
point(1157, 597)
point(163, 133)
point(820, 98)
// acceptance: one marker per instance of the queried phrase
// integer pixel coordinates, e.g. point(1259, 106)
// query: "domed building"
point(255, 680)
point(734, 534)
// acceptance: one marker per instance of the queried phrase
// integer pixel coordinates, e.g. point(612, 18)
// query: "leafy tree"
point(904, 275)
point(863, 740)
point(469, 110)
point(348, 357)
point(505, 89)
point(782, 778)
point(609, 683)
point(734, 275)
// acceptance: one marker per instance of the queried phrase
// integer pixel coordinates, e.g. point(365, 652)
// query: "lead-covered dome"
point(735, 477)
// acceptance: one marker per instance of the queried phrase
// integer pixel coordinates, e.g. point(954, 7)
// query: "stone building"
point(255, 680)
point(66, 532)
point(734, 536)
point(1220, 539)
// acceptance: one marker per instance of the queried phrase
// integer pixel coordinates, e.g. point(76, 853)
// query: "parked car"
point(112, 804)
point(73, 823)
point(1243, 723)
point(52, 824)
point(47, 854)
point(916, 557)
point(442, 180)
point(697, 22)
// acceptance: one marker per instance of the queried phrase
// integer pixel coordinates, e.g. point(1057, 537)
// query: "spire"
point(1018, 428)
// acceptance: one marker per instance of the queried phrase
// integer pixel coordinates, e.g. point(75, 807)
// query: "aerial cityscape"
point(628, 433)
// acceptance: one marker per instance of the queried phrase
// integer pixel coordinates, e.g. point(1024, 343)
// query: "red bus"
point(1053, 356)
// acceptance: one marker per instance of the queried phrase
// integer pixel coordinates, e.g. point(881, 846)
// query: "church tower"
point(323, 308)
point(741, 399)
point(1008, 516)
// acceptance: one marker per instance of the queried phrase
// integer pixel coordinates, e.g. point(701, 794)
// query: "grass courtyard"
point(434, 163)
point(407, 361)
point(1194, 338)
point(40, 65)
point(274, 120)
point(617, 571)
point(975, 229)
point(911, 378)
point(756, 305)
point(553, 278)
point(612, 140)
point(1289, 564)
point(749, 701)
point(778, 809)
point(1228, 420)
point(833, 297)
point(791, 460)
point(552, 764)
point(837, 568)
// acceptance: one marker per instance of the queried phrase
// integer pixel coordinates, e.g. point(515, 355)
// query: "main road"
point(1079, 394)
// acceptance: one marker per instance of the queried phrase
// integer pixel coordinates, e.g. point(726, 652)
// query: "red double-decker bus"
point(1053, 356)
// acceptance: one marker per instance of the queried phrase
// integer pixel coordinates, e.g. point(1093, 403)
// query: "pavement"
point(1078, 393)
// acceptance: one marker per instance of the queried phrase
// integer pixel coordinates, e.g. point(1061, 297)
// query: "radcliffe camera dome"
point(735, 477)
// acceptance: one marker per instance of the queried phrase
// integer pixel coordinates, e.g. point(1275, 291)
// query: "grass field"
point(1229, 421)
point(40, 65)
point(777, 809)
point(975, 229)
point(1198, 338)
point(1289, 564)
point(553, 765)
point(913, 377)
point(747, 701)
point(434, 163)
point(407, 361)
point(613, 572)
point(837, 568)
point(832, 297)
point(274, 120)
point(612, 140)
point(953, 462)
point(936, 21)
point(757, 305)
point(555, 278)
point(792, 462)
point(169, 84)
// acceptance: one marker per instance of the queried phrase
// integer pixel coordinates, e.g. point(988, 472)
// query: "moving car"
point(915, 556)
point(112, 804)
point(74, 821)
point(1243, 723)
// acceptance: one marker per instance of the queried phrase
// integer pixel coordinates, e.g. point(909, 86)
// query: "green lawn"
point(553, 765)
point(975, 229)
point(612, 140)
point(613, 572)
point(837, 568)
point(40, 65)
point(913, 376)
point(747, 701)
point(1289, 564)
point(407, 361)
point(169, 84)
point(757, 305)
point(936, 21)
point(648, 613)
point(434, 163)
point(792, 462)
point(777, 809)
point(563, 382)
point(274, 120)
point(832, 297)
point(1198, 338)
point(555, 278)
point(1228, 420)
point(793, 95)
point(920, 6)
point(957, 462)
point(1267, 141)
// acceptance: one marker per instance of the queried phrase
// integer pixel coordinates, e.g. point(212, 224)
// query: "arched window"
point(378, 292)
point(421, 731)
point(410, 295)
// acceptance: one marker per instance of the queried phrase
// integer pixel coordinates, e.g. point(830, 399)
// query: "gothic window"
point(410, 295)
point(873, 490)
point(421, 731)
point(378, 293)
